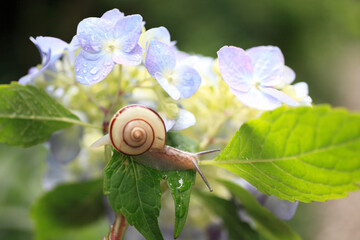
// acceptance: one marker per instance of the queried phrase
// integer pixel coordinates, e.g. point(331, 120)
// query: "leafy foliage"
point(270, 226)
point(180, 182)
point(134, 190)
point(29, 116)
point(68, 209)
point(306, 154)
point(227, 210)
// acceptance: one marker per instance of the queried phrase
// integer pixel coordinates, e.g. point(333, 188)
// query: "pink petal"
point(235, 68)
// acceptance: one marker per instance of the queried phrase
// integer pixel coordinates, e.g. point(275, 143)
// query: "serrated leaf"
point(29, 116)
point(68, 207)
point(269, 225)
point(227, 210)
point(305, 154)
point(180, 182)
point(134, 190)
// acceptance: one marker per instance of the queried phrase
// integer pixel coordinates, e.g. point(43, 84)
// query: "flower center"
point(110, 46)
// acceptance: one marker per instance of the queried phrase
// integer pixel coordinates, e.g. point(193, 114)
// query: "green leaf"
point(182, 142)
point(29, 116)
point(134, 190)
point(269, 225)
point(180, 182)
point(68, 208)
point(227, 210)
point(306, 154)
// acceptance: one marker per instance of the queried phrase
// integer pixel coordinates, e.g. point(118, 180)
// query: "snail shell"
point(139, 131)
point(136, 129)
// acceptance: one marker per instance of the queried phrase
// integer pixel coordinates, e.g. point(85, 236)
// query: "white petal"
point(186, 119)
point(256, 99)
point(301, 90)
point(282, 97)
point(169, 88)
point(289, 75)
point(169, 123)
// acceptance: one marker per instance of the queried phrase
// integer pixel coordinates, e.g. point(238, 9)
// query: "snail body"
point(139, 131)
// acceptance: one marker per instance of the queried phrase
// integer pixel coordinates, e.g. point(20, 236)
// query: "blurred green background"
point(319, 39)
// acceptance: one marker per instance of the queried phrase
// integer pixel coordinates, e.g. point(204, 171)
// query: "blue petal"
point(92, 68)
point(160, 33)
point(160, 58)
point(73, 47)
point(268, 64)
point(284, 210)
point(128, 30)
point(187, 80)
point(113, 16)
point(91, 32)
point(56, 45)
point(235, 68)
point(34, 72)
point(132, 58)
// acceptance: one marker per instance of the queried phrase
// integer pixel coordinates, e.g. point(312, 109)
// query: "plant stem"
point(118, 229)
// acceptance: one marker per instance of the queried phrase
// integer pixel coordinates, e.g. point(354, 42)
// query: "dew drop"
point(94, 70)
point(107, 63)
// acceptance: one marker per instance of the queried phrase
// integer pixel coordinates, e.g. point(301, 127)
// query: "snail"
point(139, 131)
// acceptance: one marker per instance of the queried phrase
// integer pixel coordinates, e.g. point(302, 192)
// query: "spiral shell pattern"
point(136, 129)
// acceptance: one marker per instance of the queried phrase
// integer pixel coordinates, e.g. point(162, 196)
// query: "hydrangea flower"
point(184, 120)
point(106, 41)
point(160, 33)
point(177, 79)
point(51, 49)
point(253, 75)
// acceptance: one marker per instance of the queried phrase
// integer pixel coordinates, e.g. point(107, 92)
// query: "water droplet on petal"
point(108, 63)
point(94, 70)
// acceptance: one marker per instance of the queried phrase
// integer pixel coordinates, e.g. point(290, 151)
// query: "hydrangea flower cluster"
point(113, 61)
point(257, 75)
